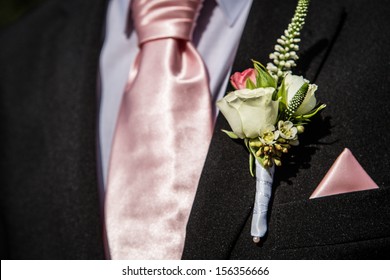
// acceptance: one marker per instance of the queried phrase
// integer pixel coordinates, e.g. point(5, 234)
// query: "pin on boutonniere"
point(268, 110)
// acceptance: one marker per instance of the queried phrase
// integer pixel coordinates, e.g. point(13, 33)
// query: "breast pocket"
point(334, 219)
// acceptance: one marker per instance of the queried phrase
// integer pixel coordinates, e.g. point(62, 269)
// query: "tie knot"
point(157, 19)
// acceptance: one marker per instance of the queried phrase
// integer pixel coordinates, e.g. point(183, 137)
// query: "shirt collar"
point(231, 9)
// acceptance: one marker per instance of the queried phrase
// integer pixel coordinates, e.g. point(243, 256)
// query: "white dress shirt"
point(216, 37)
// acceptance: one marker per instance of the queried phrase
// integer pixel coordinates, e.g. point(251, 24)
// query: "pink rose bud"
point(238, 80)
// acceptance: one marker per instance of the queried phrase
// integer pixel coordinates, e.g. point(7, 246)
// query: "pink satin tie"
point(162, 136)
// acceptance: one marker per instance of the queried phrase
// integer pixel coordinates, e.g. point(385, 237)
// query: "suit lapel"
point(225, 195)
point(70, 89)
point(51, 133)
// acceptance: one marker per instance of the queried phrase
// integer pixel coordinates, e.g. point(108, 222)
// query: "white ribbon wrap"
point(264, 180)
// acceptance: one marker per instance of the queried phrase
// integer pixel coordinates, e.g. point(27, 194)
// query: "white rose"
point(247, 111)
point(293, 83)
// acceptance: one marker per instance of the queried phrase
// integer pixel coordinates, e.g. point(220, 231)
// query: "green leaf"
point(250, 84)
point(313, 112)
point(252, 158)
point(263, 78)
point(231, 134)
point(250, 149)
point(282, 97)
point(246, 141)
point(282, 93)
point(251, 155)
point(251, 163)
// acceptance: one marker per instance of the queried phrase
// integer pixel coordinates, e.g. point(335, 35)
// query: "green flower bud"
point(277, 162)
point(300, 129)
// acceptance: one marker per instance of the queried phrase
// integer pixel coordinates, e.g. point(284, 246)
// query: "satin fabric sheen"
point(162, 136)
point(264, 181)
point(345, 175)
point(216, 36)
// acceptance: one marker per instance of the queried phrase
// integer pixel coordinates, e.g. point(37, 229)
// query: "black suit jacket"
point(48, 123)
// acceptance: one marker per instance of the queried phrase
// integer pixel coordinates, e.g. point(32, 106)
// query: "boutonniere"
point(268, 110)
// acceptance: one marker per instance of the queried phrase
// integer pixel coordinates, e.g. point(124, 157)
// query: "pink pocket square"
point(345, 175)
